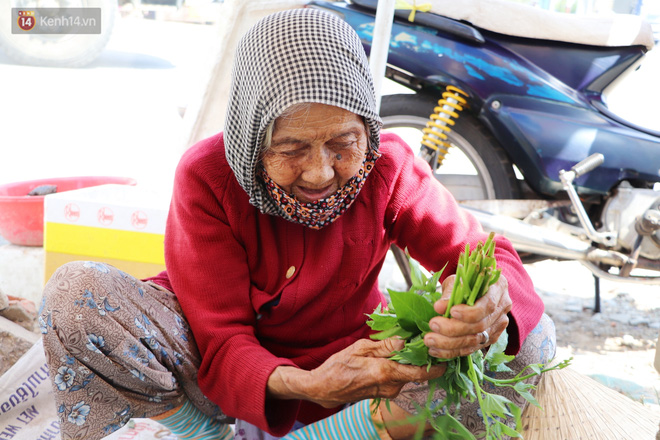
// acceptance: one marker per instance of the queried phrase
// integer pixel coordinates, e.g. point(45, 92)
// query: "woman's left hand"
point(461, 334)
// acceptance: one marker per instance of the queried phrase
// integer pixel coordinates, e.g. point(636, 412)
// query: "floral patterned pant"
point(119, 348)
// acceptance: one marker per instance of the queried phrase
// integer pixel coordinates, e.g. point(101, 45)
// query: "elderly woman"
point(277, 231)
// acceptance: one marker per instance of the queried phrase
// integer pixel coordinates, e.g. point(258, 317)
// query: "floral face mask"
point(322, 212)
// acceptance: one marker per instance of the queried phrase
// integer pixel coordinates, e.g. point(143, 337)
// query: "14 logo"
point(26, 20)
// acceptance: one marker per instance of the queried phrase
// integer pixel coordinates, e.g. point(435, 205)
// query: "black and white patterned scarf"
point(287, 58)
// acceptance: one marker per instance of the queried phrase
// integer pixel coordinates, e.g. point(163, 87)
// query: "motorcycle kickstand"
point(596, 294)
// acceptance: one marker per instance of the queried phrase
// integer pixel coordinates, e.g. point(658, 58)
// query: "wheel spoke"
point(468, 179)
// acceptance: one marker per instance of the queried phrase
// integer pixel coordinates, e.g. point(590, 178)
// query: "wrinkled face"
point(315, 151)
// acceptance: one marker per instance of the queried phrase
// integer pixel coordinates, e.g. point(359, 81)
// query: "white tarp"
point(27, 407)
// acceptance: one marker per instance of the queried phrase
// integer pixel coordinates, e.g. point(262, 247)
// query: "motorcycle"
point(519, 131)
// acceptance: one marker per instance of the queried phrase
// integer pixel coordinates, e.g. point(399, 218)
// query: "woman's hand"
point(358, 372)
point(461, 335)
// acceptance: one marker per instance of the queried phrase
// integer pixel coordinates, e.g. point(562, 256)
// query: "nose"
point(319, 167)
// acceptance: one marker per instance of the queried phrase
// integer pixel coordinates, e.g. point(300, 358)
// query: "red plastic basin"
point(22, 216)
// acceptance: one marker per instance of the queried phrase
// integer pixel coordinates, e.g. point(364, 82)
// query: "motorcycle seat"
point(520, 20)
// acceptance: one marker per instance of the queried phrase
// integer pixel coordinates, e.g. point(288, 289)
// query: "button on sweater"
point(259, 291)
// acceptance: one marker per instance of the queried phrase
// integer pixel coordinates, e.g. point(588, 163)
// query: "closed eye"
point(288, 149)
point(292, 153)
point(344, 141)
point(342, 145)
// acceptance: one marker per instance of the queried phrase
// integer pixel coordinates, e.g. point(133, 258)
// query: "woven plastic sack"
point(27, 406)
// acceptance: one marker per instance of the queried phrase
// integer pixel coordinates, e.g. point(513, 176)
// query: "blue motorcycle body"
point(542, 100)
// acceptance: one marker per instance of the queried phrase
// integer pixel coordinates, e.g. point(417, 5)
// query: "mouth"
point(309, 195)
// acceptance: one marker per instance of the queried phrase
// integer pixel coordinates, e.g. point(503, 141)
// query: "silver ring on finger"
point(485, 338)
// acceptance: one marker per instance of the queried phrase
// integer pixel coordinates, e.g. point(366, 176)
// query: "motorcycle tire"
point(485, 171)
point(65, 50)
point(490, 173)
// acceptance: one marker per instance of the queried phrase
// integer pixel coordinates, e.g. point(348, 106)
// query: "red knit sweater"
point(259, 291)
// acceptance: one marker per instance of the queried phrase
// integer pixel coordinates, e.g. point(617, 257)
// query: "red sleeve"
point(424, 217)
point(208, 270)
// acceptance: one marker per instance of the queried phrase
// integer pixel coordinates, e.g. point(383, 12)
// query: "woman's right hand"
point(360, 371)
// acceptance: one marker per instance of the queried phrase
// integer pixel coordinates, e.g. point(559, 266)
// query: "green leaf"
point(456, 381)
point(451, 427)
point(495, 357)
point(467, 383)
point(408, 317)
point(432, 285)
point(478, 360)
point(379, 321)
point(500, 366)
point(494, 404)
point(479, 373)
point(414, 355)
point(394, 331)
point(375, 404)
point(413, 311)
point(507, 430)
point(517, 415)
point(524, 390)
point(417, 275)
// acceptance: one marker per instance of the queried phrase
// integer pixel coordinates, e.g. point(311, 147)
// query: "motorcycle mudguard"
point(552, 136)
point(535, 96)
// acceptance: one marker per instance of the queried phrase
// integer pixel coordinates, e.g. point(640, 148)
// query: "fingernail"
point(456, 314)
point(435, 327)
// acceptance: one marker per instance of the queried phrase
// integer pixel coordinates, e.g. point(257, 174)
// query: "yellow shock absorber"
point(435, 133)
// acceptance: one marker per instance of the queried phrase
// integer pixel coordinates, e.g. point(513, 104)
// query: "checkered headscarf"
point(287, 58)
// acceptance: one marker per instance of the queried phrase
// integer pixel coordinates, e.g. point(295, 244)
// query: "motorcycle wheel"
point(65, 50)
point(476, 166)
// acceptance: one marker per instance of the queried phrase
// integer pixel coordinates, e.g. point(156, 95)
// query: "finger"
point(383, 349)
point(451, 354)
point(496, 330)
point(505, 302)
point(390, 345)
point(463, 347)
point(443, 347)
point(503, 306)
point(440, 345)
point(453, 334)
point(410, 373)
point(447, 286)
point(455, 328)
point(392, 376)
point(485, 306)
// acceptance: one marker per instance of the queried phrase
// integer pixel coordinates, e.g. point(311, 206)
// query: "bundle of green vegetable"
point(408, 317)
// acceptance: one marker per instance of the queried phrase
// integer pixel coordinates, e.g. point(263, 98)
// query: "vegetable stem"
point(478, 391)
point(409, 316)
